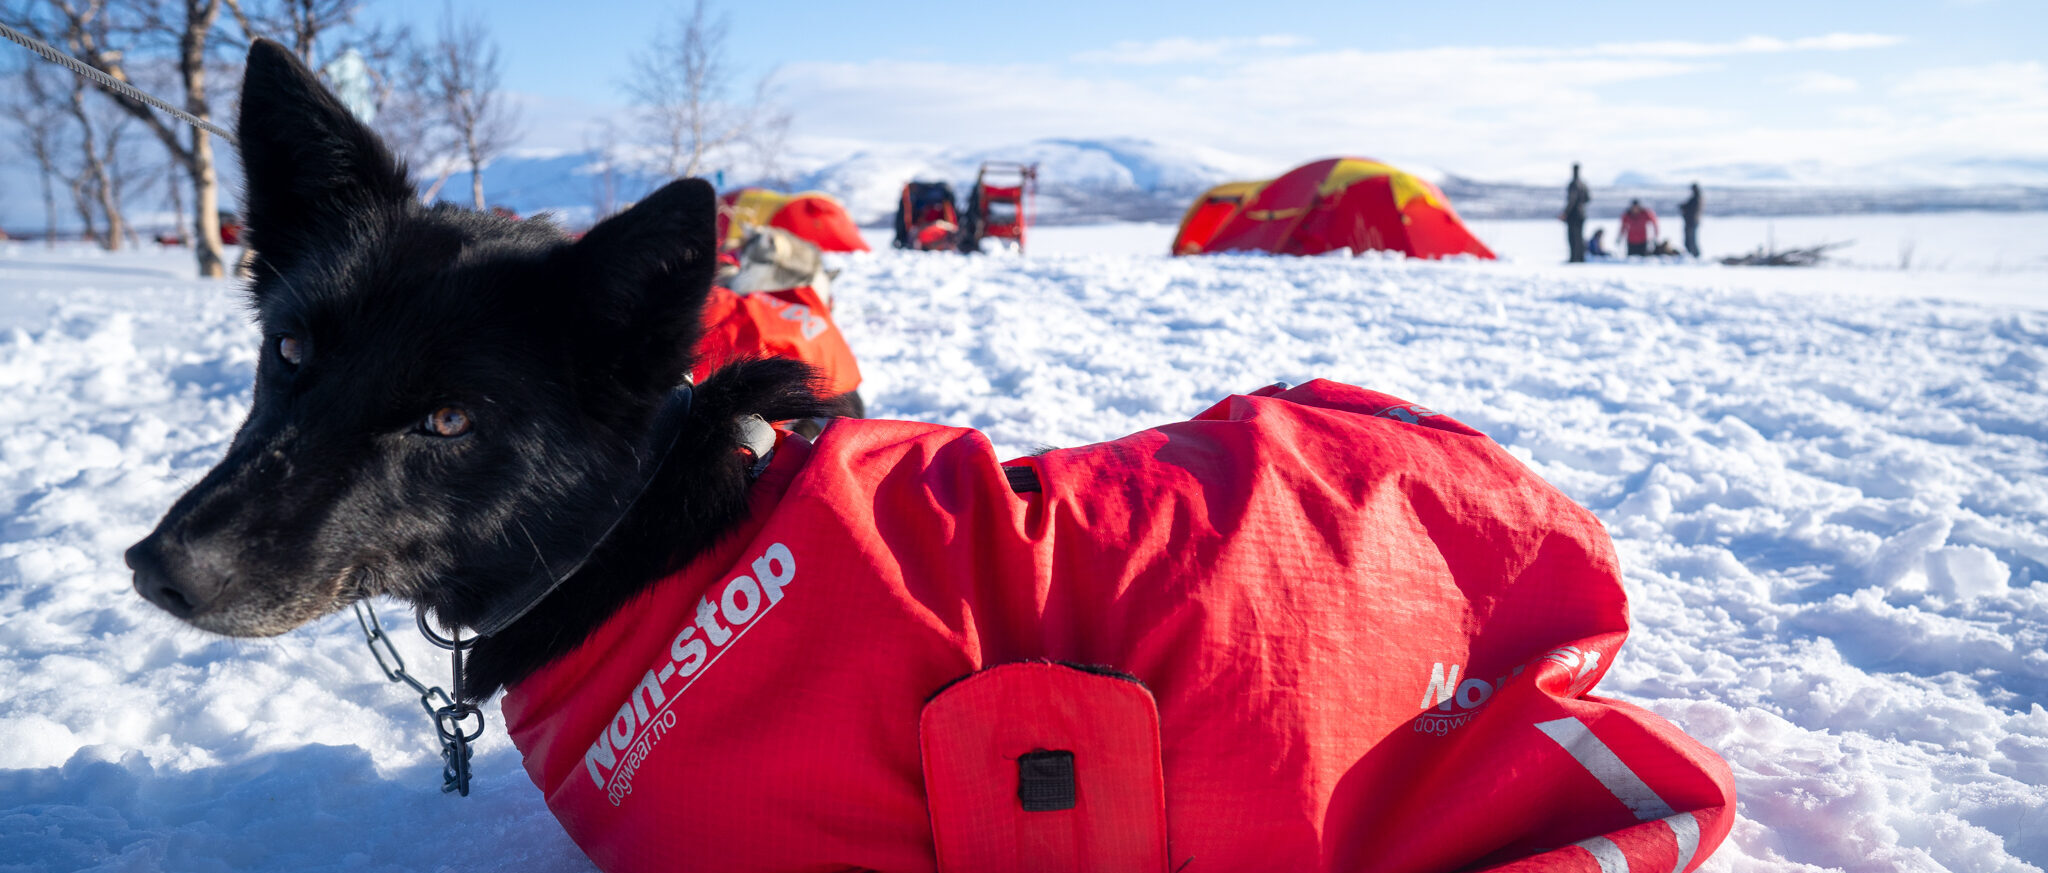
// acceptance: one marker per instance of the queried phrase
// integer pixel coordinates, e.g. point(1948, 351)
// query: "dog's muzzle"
point(180, 580)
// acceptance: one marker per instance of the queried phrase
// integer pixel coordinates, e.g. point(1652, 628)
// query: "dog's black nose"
point(177, 584)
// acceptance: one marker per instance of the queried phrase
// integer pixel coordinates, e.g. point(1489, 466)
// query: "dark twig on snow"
point(1770, 257)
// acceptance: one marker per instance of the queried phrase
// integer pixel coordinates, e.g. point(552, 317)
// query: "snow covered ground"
point(1981, 256)
point(1829, 489)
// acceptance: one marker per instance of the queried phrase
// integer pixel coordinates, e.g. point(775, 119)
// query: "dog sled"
point(926, 218)
point(998, 211)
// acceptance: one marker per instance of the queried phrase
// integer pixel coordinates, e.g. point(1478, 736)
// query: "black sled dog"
point(1312, 628)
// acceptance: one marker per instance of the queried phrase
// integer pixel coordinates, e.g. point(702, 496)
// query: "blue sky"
point(1491, 89)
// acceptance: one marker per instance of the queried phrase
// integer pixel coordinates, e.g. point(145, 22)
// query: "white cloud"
point(2021, 85)
point(1180, 49)
point(1818, 82)
point(1751, 45)
point(1490, 112)
point(2001, 109)
point(1748, 45)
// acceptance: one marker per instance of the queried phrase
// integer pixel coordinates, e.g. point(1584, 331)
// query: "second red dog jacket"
point(793, 323)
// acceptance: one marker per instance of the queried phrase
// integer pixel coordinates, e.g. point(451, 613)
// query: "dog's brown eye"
point(290, 349)
point(448, 421)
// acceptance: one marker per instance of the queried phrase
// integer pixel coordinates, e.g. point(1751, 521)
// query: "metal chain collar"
point(448, 713)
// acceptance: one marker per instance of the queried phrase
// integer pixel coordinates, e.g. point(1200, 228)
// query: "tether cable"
point(82, 68)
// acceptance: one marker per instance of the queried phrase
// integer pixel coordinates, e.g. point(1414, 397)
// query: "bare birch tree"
point(38, 122)
point(95, 187)
point(296, 24)
point(604, 182)
point(677, 83)
point(768, 136)
point(76, 145)
point(682, 84)
point(322, 31)
point(407, 109)
point(468, 79)
point(175, 193)
point(113, 35)
point(129, 162)
point(404, 109)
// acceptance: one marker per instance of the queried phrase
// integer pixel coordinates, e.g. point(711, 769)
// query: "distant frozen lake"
point(1993, 257)
point(1980, 241)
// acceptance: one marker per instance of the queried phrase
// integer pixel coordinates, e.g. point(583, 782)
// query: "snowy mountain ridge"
point(1130, 179)
point(1079, 179)
point(1092, 180)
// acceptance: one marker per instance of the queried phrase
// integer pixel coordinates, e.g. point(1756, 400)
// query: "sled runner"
point(1312, 629)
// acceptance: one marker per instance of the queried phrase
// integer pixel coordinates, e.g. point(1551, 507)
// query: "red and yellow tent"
point(1209, 212)
point(813, 215)
point(1337, 203)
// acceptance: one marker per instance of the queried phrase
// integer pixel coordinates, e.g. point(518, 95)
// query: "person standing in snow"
point(1575, 199)
point(1690, 211)
point(1638, 227)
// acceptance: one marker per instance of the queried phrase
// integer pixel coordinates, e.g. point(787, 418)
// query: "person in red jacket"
point(1639, 227)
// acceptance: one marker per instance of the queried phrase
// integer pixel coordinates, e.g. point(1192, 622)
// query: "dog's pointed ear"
point(309, 165)
point(643, 277)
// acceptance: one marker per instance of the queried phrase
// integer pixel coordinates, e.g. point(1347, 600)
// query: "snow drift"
point(1829, 508)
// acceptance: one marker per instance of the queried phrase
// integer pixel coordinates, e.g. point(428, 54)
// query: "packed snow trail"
point(1832, 512)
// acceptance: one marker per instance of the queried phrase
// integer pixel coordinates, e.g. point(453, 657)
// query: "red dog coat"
point(792, 323)
point(1361, 634)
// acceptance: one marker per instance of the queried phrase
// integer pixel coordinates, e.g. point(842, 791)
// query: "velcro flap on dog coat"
point(1040, 766)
